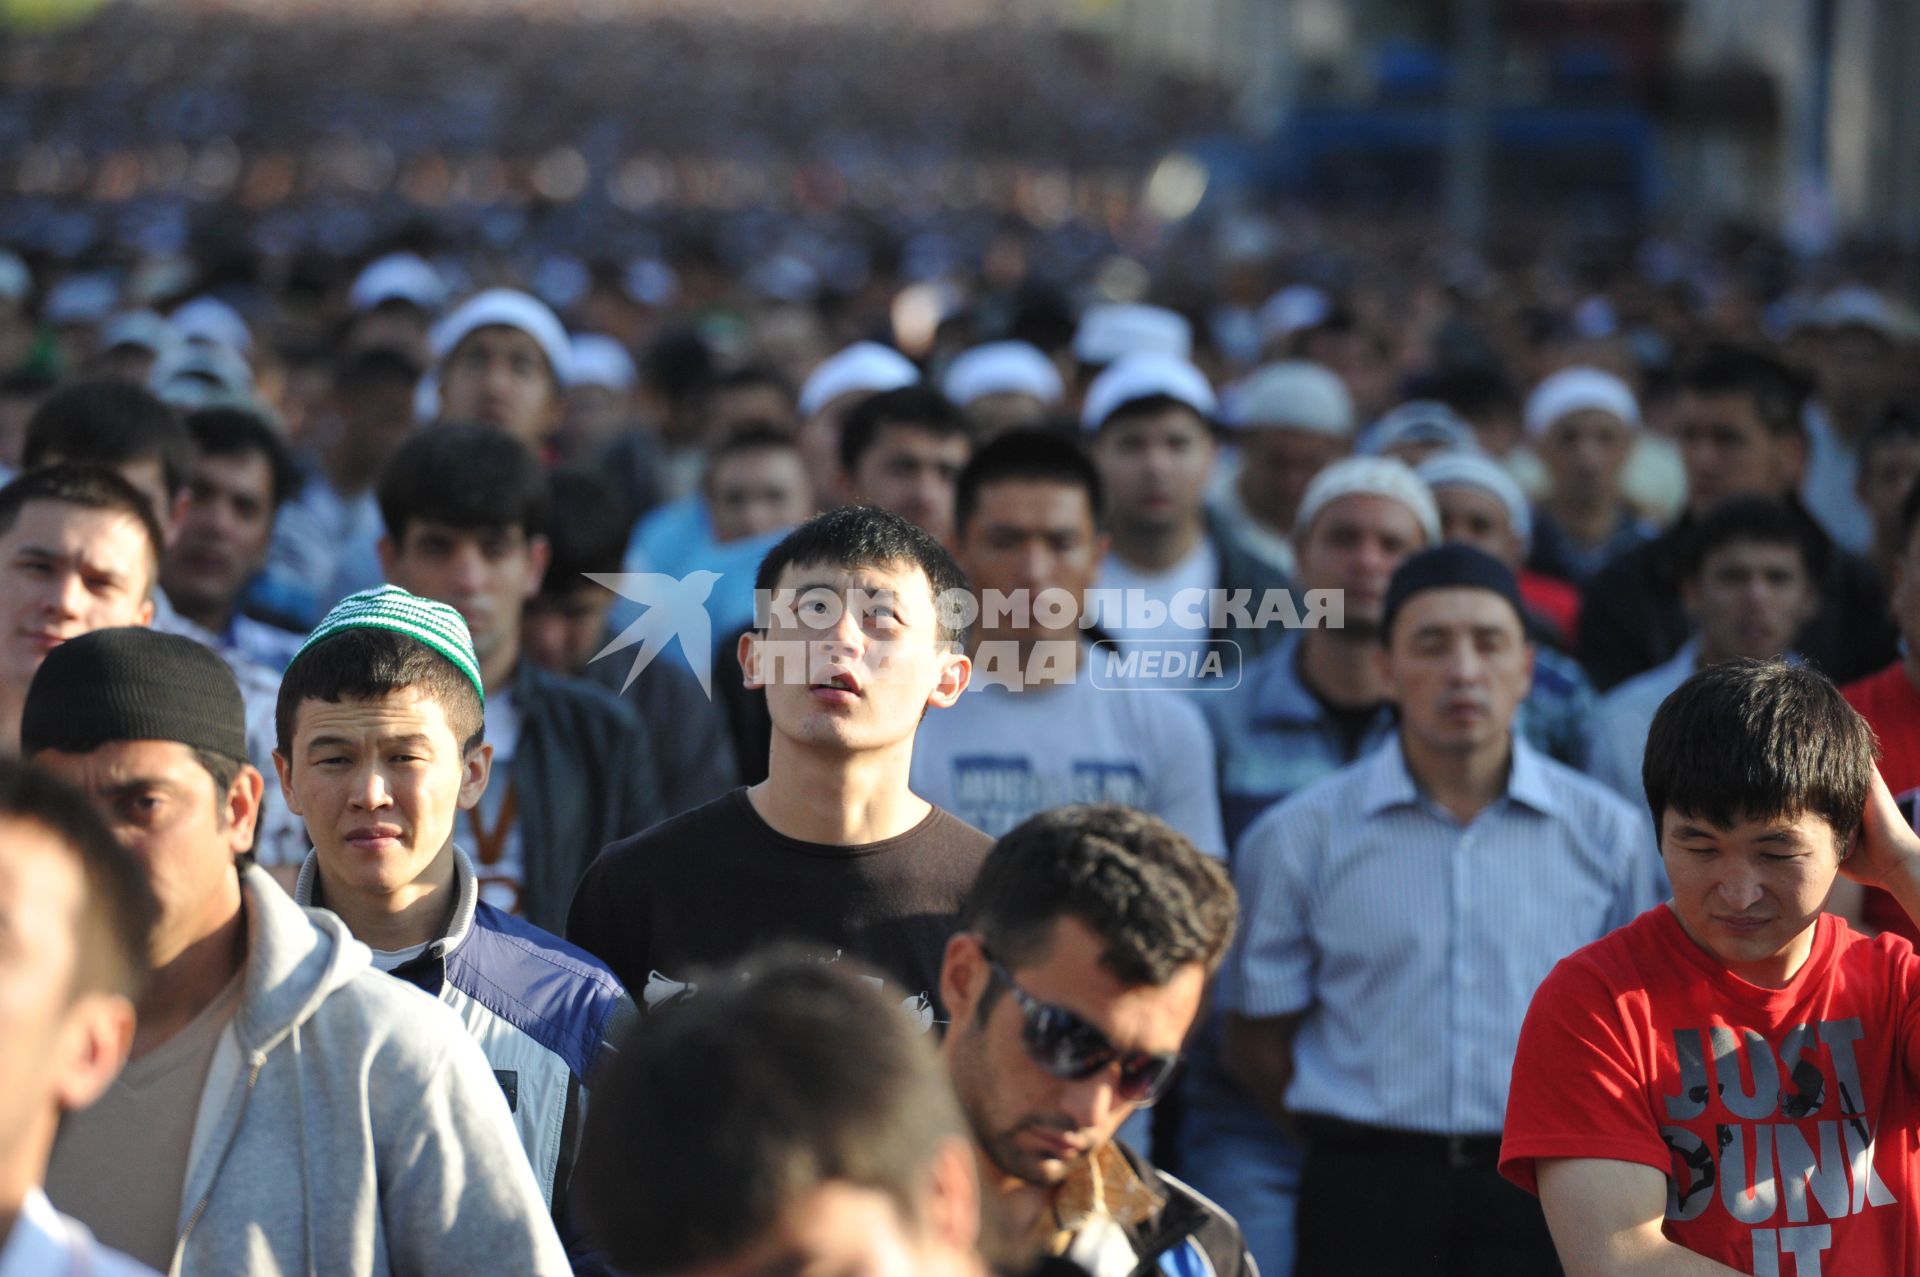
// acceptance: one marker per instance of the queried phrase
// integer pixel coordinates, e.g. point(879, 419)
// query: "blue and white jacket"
point(541, 1009)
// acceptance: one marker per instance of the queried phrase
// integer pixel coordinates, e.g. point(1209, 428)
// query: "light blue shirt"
point(1413, 944)
point(45, 1243)
point(1617, 739)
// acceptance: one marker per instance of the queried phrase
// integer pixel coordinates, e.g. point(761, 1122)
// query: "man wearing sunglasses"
point(1081, 962)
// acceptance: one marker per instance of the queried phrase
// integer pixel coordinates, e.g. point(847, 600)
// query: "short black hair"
point(119, 910)
point(1777, 393)
point(1028, 453)
point(373, 368)
point(587, 527)
point(678, 365)
point(752, 375)
point(867, 537)
point(749, 436)
point(236, 432)
point(368, 664)
point(464, 477)
point(1768, 520)
point(110, 423)
point(1155, 901)
point(90, 487)
point(919, 408)
point(1759, 740)
point(723, 1112)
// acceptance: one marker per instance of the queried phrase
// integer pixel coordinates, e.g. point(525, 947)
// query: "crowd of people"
point(982, 747)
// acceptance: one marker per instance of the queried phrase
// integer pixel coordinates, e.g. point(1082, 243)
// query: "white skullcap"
point(16, 281)
point(398, 277)
point(1580, 389)
point(210, 320)
point(81, 299)
point(864, 366)
point(505, 308)
point(1856, 306)
point(597, 360)
point(1478, 470)
point(1003, 368)
point(1138, 377)
point(1113, 330)
point(1375, 477)
point(142, 328)
point(197, 374)
point(1295, 394)
point(1418, 421)
point(1293, 308)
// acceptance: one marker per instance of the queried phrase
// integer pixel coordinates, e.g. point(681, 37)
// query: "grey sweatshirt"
point(351, 1126)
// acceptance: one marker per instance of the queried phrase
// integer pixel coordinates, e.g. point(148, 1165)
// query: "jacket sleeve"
point(457, 1194)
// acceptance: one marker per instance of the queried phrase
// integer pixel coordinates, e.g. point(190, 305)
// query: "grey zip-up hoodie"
point(350, 1125)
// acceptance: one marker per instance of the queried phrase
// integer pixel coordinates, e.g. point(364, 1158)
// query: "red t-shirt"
point(1891, 706)
point(1787, 1121)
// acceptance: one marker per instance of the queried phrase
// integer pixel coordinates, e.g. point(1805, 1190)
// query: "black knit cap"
point(133, 684)
point(1450, 567)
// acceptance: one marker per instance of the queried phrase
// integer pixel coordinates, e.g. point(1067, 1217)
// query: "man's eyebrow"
point(348, 742)
point(136, 784)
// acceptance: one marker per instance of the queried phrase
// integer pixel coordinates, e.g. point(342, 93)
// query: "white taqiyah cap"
point(599, 360)
point(1418, 421)
point(864, 366)
point(1293, 308)
point(1140, 377)
point(210, 320)
point(1580, 389)
point(142, 328)
point(398, 277)
point(505, 308)
point(1003, 368)
point(199, 374)
point(81, 299)
point(1478, 470)
point(1296, 394)
point(1370, 476)
point(16, 281)
point(1113, 330)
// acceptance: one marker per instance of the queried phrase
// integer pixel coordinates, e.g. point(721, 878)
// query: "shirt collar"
point(1390, 784)
point(38, 1243)
point(466, 887)
point(1104, 1187)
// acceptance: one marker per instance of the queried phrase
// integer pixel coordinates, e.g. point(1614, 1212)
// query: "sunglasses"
point(1068, 1047)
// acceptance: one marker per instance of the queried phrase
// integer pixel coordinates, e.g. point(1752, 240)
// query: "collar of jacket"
point(429, 969)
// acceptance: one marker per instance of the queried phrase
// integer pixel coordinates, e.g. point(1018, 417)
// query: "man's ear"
point(143, 615)
point(748, 651)
point(952, 1207)
point(956, 671)
point(283, 768)
point(95, 1042)
point(243, 805)
point(476, 769)
point(963, 977)
point(539, 557)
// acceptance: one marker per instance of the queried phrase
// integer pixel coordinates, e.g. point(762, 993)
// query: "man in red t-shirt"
point(1731, 1083)
point(1890, 702)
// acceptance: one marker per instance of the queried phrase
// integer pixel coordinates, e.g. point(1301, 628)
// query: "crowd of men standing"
point(609, 713)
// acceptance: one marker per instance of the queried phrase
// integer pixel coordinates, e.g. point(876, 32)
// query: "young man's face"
point(1276, 465)
point(1750, 895)
point(912, 473)
point(561, 632)
point(1458, 665)
point(1353, 545)
point(66, 570)
point(1884, 482)
point(225, 533)
point(756, 491)
point(1155, 466)
point(379, 783)
point(485, 574)
point(1026, 536)
point(161, 804)
point(855, 658)
point(375, 420)
point(1033, 1126)
point(51, 1034)
point(1729, 452)
point(499, 376)
point(1585, 452)
point(1749, 599)
point(1475, 517)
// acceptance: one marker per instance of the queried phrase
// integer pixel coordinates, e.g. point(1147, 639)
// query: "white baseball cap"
point(864, 366)
point(1296, 394)
point(1138, 377)
point(1370, 476)
point(1579, 389)
point(505, 308)
point(1114, 330)
point(1003, 368)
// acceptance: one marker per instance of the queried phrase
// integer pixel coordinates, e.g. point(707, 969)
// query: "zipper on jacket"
point(200, 1207)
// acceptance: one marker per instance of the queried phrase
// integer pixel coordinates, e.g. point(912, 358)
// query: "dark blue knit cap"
point(1450, 567)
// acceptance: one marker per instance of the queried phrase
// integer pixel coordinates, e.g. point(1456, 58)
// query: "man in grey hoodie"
point(287, 1109)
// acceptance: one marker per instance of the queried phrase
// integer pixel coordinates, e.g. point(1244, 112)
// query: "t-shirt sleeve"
point(608, 917)
point(1186, 784)
point(1271, 970)
point(1578, 1089)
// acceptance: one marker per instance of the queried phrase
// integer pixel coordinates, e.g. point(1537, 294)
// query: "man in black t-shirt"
point(832, 850)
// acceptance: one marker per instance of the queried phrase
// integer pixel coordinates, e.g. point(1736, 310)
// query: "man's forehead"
point(117, 760)
point(1457, 606)
point(900, 577)
point(1746, 826)
point(405, 710)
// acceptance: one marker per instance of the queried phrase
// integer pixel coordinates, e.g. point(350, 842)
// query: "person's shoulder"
point(1874, 690)
point(379, 1016)
point(1588, 804)
point(1626, 958)
point(553, 991)
point(956, 835)
point(1308, 809)
point(575, 699)
point(694, 831)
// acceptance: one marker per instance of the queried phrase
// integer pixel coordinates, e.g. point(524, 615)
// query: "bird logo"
point(676, 608)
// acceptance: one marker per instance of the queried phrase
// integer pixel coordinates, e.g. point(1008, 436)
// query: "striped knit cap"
point(391, 608)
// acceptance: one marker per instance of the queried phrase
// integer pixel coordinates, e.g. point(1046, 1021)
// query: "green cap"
point(391, 608)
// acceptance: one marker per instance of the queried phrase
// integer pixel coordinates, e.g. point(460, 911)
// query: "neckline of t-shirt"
point(192, 1039)
point(1819, 959)
point(833, 851)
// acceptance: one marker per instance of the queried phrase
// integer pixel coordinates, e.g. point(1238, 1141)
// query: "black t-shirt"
point(709, 886)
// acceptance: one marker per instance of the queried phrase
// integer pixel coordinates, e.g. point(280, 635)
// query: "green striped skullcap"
point(391, 608)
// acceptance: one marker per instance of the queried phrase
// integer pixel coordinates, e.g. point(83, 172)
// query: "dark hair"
point(678, 365)
point(90, 487)
point(1759, 740)
point(723, 1113)
point(373, 368)
point(587, 527)
point(1898, 422)
point(1777, 393)
point(119, 910)
point(1767, 520)
point(751, 436)
point(1909, 515)
point(236, 432)
point(1028, 453)
point(1155, 901)
point(368, 664)
point(914, 407)
point(109, 423)
point(866, 537)
point(464, 477)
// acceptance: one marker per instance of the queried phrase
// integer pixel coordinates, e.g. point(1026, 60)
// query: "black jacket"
point(583, 777)
point(1631, 618)
point(1188, 1222)
point(694, 759)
